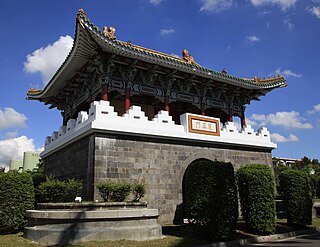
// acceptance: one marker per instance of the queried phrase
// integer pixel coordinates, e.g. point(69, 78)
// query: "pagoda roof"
point(89, 38)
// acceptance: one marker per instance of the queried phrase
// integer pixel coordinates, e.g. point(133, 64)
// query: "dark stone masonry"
point(159, 163)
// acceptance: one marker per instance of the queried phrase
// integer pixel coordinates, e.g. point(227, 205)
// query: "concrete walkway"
point(262, 239)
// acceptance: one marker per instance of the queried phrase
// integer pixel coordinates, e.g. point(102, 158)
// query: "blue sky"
point(246, 37)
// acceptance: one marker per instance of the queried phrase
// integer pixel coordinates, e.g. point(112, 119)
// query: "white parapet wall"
point(195, 128)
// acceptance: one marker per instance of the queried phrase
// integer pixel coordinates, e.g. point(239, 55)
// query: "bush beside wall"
point(16, 196)
point(119, 191)
point(257, 196)
point(54, 190)
point(296, 189)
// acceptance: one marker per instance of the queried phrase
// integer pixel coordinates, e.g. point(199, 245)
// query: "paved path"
point(308, 240)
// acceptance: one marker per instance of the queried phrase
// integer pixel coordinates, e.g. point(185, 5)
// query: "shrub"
point(257, 197)
point(210, 197)
point(114, 191)
point(72, 190)
point(315, 185)
point(54, 190)
point(120, 192)
point(16, 196)
point(296, 188)
point(105, 190)
point(138, 191)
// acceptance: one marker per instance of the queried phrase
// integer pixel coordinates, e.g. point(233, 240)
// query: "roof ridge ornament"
point(188, 58)
point(81, 12)
point(109, 32)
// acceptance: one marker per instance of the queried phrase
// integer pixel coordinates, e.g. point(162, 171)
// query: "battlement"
point(103, 118)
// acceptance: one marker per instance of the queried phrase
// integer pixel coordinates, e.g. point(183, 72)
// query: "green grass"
point(175, 236)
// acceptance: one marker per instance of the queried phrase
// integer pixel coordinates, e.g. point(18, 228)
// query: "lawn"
point(174, 236)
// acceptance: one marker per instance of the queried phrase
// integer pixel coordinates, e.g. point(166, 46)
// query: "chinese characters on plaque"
point(203, 125)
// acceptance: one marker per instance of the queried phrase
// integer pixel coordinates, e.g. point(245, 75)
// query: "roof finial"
point(81, 12)
point(188, 58)
point(109, 32)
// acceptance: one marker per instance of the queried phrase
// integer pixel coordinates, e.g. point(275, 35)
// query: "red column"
point(166, 104)
point(90, 99)
point(127, 99)
point(203, 111)
point(243, 120)
point(104, 92)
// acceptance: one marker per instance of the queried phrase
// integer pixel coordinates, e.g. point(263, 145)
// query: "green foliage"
point(257, 197)
point(210, 197)
point(119, 191)
point(296, 189)
point(315, 184)
point(138, 191)
point(16, 196)
point(54, 190)
point(277, 170)
point(37, 174)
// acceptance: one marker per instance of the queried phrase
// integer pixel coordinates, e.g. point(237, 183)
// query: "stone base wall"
point(74, 161)
point(159, 163)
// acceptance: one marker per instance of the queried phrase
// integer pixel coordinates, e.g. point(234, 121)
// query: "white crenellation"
point(101, 109)
point(247, 130)
point(230, 127)
point(263, 132)
point(163, 117)
point(135, 113)
point(71, 124)
point(82, 117)
point(54, 136)
point(48, 140)
point(103, 118)
point(62, 130)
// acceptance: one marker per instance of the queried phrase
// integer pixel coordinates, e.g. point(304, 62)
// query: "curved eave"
point(82, 50)
point(76, 58)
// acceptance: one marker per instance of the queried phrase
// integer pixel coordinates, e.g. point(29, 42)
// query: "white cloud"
point(11, 134)
point(175, 55)
point(284, 4)
point(253, 38)
point(265, 12)
point(315, 11)
point(287, 73)
point(155, 2)
point(291, 120)
point(315, 109)
point(9, 118)
point(279, 138)
point(13, 149)
point(288, 24)
point(167, 31)
point(215, 6)
point(47, 60)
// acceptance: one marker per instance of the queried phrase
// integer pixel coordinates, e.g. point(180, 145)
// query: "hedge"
point(257, 196)
point(119, 191)
point(54, 190)
point(295, 185)
point(210, 197)
point(16, 196)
